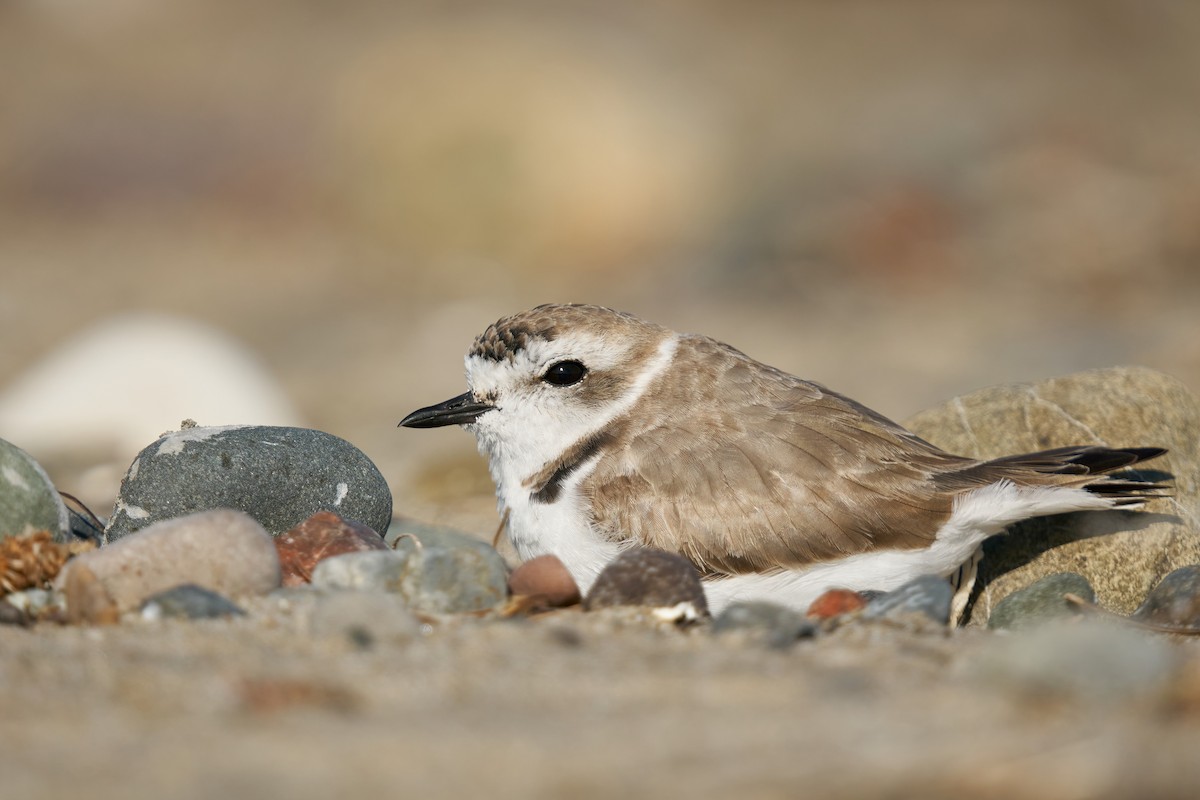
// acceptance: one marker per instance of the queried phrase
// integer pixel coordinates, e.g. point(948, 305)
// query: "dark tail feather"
point(1085, 467)
point(1082, 460)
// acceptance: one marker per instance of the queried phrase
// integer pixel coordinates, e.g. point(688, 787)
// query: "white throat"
point(519, 447)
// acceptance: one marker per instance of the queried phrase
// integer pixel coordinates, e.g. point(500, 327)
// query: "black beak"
point(461, 410)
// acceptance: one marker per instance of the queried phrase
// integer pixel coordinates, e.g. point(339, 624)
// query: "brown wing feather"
point(749, 469)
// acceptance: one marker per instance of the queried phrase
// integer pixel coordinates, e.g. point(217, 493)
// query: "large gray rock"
point(1123, 554)
point(279, 476)
point(28, 500)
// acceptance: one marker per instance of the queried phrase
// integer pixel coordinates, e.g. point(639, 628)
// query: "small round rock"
point(1175, 601)
point(28, 500)
point(545, 577)
point(929, 595)
point(646, 577)
point(1040, 602)
point(189, 601)
point(321, 536)
point(836, 602)
point(223, 550)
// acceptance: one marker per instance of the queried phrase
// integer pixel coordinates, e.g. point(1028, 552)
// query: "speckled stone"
point(28, 500)
point(1041, 602)
point(777, 626)
point(321, 536)
point(1175, 601)
point(1121, 553)
point(645, 577)
point(189, 601)
point(279, 476)
point(224, 550)
point(929, 595)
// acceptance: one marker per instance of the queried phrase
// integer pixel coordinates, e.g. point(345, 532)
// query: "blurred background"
point(303, 212)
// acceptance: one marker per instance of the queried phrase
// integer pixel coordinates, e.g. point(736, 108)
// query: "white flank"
point(977, 515)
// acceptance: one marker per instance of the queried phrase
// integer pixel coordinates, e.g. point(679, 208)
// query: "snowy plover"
point(603, 431)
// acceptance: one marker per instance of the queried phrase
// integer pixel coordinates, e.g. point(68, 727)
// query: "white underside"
point(977, 515)
point(561, 528)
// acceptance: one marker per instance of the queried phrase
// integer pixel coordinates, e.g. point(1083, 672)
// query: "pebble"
point(222, 550)
point(322, 535)
point(1041, 602)
point(28, 500)
point(1175, 601)
point(779, 627)
point(279, 476)
point(654, 578)
point(547, 578)
point(431, 578)
point(38, 603)
point(836, 602)
point(1095, 661)
point(363, 617)
point(189, 601)
point(930, 595)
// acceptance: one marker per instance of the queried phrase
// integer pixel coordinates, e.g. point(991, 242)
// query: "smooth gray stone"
point(431, 578)
point(1041, 602)
point(279, 476)
point(189, 601)
point(28, 500)
point(929, 595)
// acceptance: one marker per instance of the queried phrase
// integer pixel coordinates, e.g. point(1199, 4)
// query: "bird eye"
point(565, 373)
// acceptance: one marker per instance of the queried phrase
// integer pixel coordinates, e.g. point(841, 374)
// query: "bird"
point(605, 432)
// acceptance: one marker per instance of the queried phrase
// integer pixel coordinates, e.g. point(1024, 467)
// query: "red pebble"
point(836, 602)
point(322, 535)
point(545, 577)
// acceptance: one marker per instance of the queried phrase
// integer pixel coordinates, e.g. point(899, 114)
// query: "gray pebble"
point(28, 500)
point(431, 578)
point(653, 578)
point(778, 626)
point(367, 570)
point(279, 476)
point(1175, 601)
point(189, 601)
point(929, 595)
point(1041, 602)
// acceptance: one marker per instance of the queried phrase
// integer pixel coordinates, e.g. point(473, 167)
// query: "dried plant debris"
point(31, 562)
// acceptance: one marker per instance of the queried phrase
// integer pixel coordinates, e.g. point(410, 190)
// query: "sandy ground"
point(573, 705)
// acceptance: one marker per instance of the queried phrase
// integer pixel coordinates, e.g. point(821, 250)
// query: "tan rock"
point(1122, 553)
point(222, 550)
